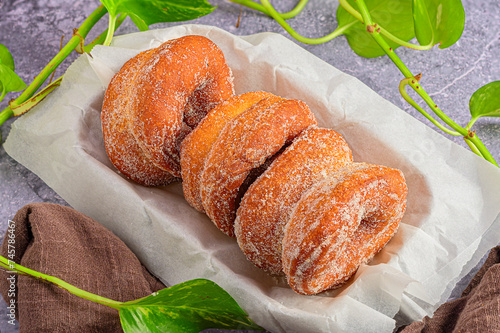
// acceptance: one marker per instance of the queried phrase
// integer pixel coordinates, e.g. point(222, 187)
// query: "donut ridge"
point(244, 144)
point(120, 143)
point(340, 223)
point(197, 144)
point(268, 203)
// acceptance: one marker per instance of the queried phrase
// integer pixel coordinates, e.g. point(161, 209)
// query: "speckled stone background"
point(32, 31)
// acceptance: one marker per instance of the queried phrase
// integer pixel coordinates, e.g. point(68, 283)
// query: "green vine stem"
point(266, 8)
point(470, 137)
point(11, 266)
point(26, 100)
point(407, 97)
point(262, 9)
point(376, 31)
point(111, 29)
point(81, 32)
point(23, 107)
point(100, 40)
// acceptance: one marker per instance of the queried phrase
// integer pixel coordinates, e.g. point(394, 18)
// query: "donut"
point(196, 146)
point(257, 164)
point(155, 100)
point(267, 204)
point(245, 143)
point(121, 146)
point(340, 223)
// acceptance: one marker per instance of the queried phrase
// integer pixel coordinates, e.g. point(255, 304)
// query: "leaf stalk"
point(83, 30)
point(288, 15)
point(371, 28)
point(26, 100)
point(12, 266)
point(407, 97)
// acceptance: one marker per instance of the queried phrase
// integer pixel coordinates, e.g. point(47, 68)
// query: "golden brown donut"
point(267, 204)
point(340, 223)
point(196, 146)
point(244, 144)
point(155, 100)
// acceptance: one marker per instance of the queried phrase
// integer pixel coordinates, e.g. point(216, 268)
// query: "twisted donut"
point(312, 213)
point(197, 144)
point(267, 204)
point(244, 144)
point(340, 223)
point(155, 100)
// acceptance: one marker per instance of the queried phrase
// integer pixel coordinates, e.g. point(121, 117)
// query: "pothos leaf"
point(438, 21)
point(485, 102)
point(156, 11)
point(10, 81)
point(394, 15)
point(6, 57)
point(139, 22)
point(191, 306)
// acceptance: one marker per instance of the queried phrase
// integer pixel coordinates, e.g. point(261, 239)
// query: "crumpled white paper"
point(452, 218)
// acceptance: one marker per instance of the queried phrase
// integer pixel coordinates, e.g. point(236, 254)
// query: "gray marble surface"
point(32, 31)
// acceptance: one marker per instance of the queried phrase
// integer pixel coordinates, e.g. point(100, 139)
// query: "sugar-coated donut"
point(267, 204)
point(257, 164)
point(156, 99)
point(245, 143)
point(340, 223)
point(196, 146)
point(121, 146)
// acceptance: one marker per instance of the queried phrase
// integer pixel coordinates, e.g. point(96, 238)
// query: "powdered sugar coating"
point(244, 144)
point(340, 223)
point(268, 203)
point(154, 102)
point(197, 145)
point(121, 145)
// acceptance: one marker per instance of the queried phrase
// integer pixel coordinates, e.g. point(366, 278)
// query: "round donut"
point(196, 146)
point(340, 223)
point(244, 144)
point(156, 99)
point(267, 204)
point(121, 146)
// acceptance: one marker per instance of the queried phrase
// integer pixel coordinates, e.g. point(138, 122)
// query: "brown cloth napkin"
point(478, 310)
point(59, 241)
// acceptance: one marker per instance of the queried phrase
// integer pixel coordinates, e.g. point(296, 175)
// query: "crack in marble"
point(471, 69)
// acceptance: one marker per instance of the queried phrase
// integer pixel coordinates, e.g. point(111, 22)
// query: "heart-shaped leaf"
point(156, 11)
point(191, 306)
point(485, 102)
point(438, 21)
point(394, 15)
point(6, 57)
point(9, 80)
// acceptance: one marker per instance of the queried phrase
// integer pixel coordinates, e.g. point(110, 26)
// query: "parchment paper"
point(452, 218)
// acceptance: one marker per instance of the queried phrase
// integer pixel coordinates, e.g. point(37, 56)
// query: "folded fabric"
point(478, 310)
point(59, 241)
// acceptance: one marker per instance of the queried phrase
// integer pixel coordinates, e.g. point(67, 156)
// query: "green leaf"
point(139, 22)
point(191, 306)
point(485, 102)
point(438, 21)
point(6, 57)
point(156, 11)
point(9, 80)
point(394, 15)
